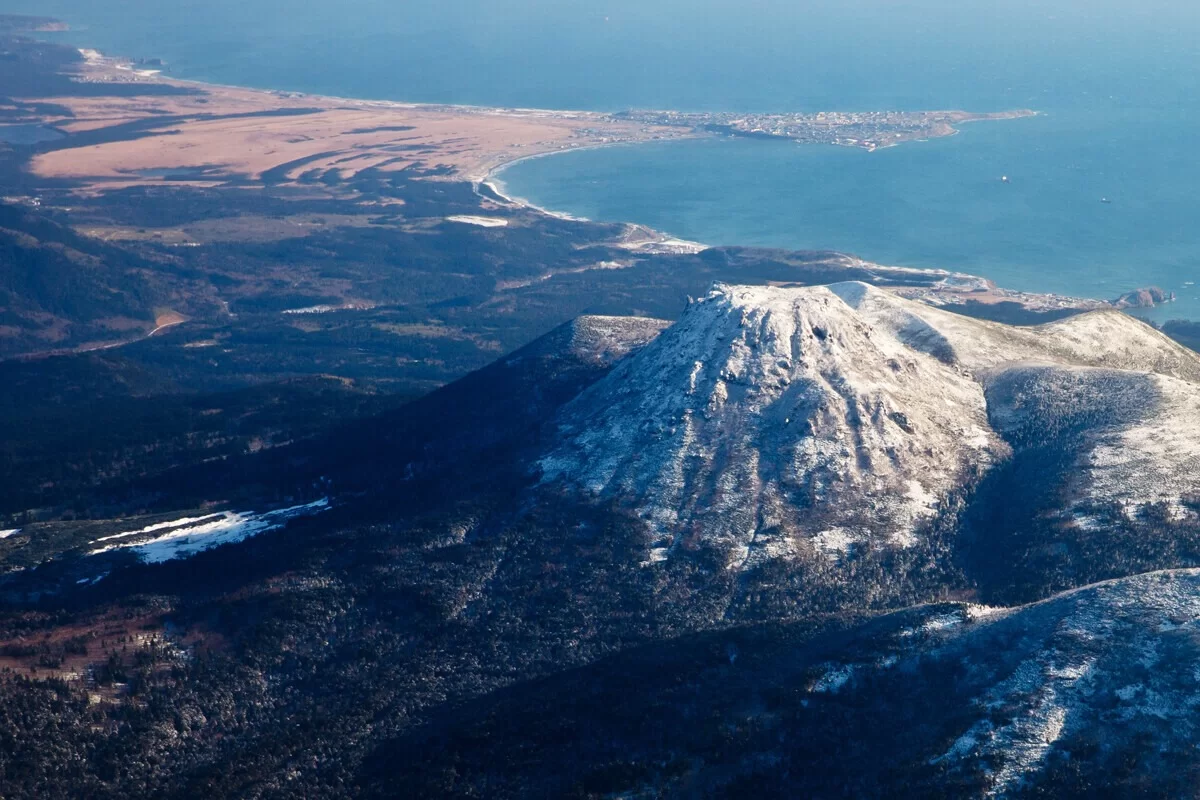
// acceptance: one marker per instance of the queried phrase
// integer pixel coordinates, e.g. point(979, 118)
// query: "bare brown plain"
point(221, 133)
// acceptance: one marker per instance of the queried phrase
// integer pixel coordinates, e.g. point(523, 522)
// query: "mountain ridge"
point(772, 420)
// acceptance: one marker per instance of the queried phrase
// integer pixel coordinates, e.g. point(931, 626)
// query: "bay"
point(1115, 80)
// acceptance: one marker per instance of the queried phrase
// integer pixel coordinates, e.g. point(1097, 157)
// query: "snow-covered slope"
point(1106, 675)
point(597, 339)
point(769, 420)
point(781, 421)
point(1094, 692)
point(1136, 434)
point(1104, 338)
point(1118, 659)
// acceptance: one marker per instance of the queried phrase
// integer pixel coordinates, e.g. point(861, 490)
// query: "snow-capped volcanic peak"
point(772, 421)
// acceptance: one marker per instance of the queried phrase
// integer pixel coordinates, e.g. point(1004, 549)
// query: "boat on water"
point(1106, 201)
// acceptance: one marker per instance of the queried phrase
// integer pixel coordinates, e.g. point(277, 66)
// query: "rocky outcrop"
point(1144, 298)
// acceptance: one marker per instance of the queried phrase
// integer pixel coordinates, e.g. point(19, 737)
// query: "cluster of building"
point(869, 130)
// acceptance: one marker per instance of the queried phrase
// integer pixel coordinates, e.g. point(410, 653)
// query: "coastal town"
point(868, 130)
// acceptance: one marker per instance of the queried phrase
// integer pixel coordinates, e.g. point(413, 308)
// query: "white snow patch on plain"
point(191, 535)
point(10, 532)
point(326, 309)
point(976, 612)
point(482, 222)
point(321, 309)
point(942, 623)
point(160, 526)
point(667, 246)
point(657, 556)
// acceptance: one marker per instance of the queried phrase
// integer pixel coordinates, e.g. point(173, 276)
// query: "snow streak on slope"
point(770, 421)
point(185, 537)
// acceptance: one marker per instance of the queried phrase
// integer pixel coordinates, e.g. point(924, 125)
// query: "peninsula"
point(204, 134)
point(869, 130)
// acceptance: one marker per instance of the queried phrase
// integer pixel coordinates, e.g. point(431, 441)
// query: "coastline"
point(651, 239)
point(491, 179)
point(634, 127)
point(491, 164)
point(485, 168)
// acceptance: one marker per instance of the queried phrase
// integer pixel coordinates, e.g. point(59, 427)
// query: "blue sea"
point(1116, 83)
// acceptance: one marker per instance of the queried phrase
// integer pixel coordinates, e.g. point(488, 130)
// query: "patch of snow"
point(1127, 693)
point(942, 623)
point(1149, 656)
point(657, 556)
point(189, 536)
point(976, 612)
point(835, 677)
point(326, 309)
point(482, 222)
point(837, 542)
point(1037, 716)
point(665, 246)
point(963, 745)
point(924, 500)
point(160, 526)
point(10, 532)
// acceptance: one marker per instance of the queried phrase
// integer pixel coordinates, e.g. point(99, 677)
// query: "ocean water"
point(928, 204)
point(1115, 80)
